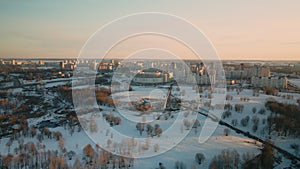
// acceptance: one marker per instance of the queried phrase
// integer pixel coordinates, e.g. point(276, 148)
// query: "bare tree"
point(226, 132)
point(187, 123)
point(199, 157)
point(254, 110)
point(156, 147)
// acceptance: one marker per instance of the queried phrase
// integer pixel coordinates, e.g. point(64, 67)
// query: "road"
point(40, 82)
point(249, 135)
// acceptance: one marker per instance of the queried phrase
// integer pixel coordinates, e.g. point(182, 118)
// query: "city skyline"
point(253, 30)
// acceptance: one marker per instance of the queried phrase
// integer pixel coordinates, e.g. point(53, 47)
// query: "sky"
point(239, 30)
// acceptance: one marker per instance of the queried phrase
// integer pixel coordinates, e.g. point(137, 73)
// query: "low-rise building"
point(277, 82)
point(105, 67)
point(152, 76)
point(243, 73)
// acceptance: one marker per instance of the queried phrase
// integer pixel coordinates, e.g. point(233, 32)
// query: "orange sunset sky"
point(239, 30)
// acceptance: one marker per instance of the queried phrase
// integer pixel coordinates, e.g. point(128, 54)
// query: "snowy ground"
point(295, 81)
point(185, 151)
point(258, 102)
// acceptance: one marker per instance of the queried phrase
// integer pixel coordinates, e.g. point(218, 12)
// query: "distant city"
point(251, 73)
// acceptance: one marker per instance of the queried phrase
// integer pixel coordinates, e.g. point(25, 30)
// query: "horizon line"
point(90, 58)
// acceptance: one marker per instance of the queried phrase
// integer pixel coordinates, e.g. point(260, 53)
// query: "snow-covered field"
point(184, 151)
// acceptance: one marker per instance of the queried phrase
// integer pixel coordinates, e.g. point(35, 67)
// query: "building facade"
point(277, 82)
point(152, 76)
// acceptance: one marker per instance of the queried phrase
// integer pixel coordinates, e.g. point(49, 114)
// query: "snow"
point(295, 81)
point(48, 85)
point(186, 149)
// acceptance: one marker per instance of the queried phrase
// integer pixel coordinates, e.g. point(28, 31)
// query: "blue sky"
point(263, 30)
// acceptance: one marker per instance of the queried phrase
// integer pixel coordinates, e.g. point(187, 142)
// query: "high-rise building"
point(261, 71)
point(62, 65)
point(94, 65)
